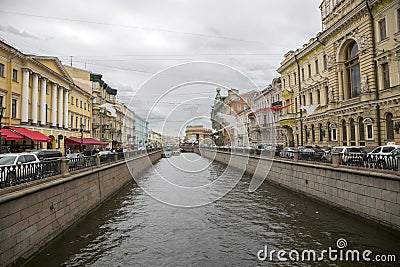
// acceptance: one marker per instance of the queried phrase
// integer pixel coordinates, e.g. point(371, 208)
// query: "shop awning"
point(33, 135)
point(76, 141)
point(9, 135)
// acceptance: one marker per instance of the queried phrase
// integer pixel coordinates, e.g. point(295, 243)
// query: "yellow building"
point(35, 91)
point(80, 101)
point(342, 87)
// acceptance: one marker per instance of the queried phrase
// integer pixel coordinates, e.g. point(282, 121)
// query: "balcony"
point(287, 119)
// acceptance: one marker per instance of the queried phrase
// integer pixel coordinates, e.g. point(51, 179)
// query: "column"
point(66, 108)
point(60, 106)
point(35, 88)
point(54, 106)
point(340, 82)
point(357, 133)
point(43, 86)
point(25, 96)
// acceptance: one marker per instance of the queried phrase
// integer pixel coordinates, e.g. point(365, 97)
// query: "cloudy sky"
point(130, 41)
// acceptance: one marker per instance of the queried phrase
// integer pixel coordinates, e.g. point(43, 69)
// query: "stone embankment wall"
point(34, 215)
point(374, 195)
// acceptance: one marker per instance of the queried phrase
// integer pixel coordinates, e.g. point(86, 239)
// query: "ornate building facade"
point(264, 118)
point(343, 86)
point(35, 92)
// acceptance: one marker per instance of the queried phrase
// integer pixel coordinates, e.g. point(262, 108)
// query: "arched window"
point(313, 133)
point(352, 133)
point(344, 133)
point(321, 132)
point(352, 73)
point(361, 131)
point(328, 126)
point(307, 133)
point(389, 127)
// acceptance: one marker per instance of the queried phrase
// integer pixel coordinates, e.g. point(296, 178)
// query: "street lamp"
point(1, 119)
point(82, 125)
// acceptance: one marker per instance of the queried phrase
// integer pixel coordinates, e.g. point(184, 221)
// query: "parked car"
point(311, 153)
point(349, 155)
point(383, 150)
point(384, 157)
point(287, 152)
point(47, 154)
point(17, 166)
point(76, 160)
point(106, 156)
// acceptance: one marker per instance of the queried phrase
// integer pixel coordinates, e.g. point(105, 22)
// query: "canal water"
point(134, 229)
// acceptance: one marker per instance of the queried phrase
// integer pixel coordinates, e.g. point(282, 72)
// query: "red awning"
point(75, 141)
point(33, 135)
point(9, 135)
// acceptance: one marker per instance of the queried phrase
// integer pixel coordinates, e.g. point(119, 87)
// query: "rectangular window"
point(398, 19)
point(15, 75)
point(14, 108)
point(72, 121)
point(81, 104)
point(76, 122)
point(316, 67)
point(369, 132)
point(334, 134)
point(325, 59)
point(385, 75)
point(76, 102)
point(72, 100)
point(84, 106)
point(294, 78)
point(382, 29)
point(302, 74)
point(1, 70)
point(1, 101)
point(289, 80)
point(309, 71)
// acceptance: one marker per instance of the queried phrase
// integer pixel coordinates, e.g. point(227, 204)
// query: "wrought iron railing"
point(76, 164)
point(22, 173)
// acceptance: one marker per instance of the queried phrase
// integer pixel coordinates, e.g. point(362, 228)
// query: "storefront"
point(19, 139)
point(88, 145)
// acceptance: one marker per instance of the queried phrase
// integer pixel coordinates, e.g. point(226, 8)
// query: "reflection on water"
point(133, 229)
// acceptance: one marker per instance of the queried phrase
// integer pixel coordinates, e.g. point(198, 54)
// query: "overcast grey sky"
point(129, 41)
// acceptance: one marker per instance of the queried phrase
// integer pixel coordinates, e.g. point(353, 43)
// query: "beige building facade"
point(35, 92)
point(343, 86)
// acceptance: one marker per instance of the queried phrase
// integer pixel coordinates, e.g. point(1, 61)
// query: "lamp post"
point(1, 119)
point(82, 125)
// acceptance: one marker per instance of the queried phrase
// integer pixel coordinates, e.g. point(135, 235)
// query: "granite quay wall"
point(374, 195)
point(32, 216)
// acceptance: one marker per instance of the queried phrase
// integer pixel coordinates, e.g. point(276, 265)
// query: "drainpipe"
point(377, 107)
point(301, 113)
